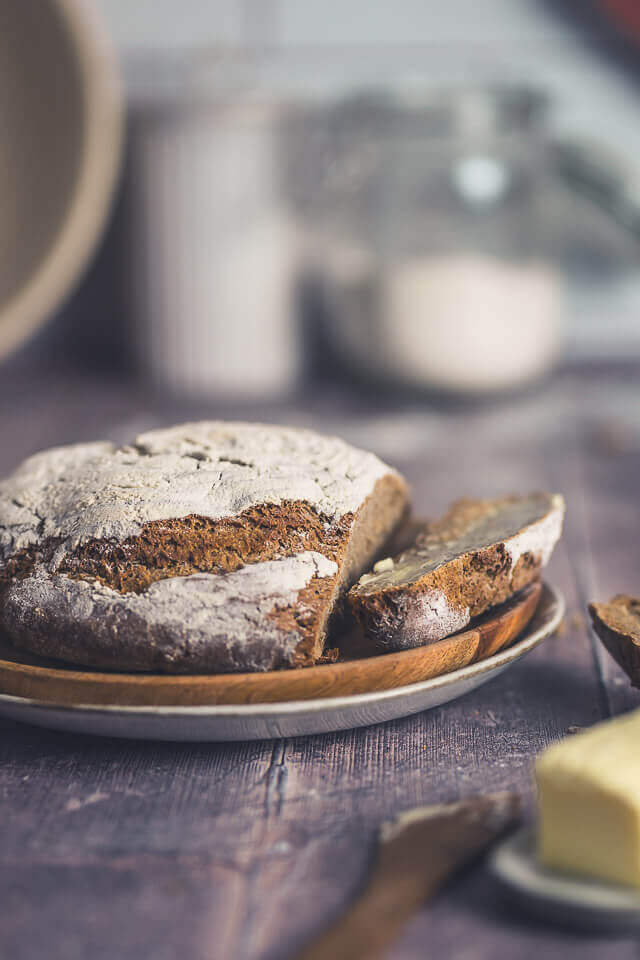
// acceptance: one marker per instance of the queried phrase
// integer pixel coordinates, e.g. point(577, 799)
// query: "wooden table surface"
point(116, 850)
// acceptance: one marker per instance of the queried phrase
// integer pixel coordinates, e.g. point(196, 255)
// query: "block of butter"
point(589, 796)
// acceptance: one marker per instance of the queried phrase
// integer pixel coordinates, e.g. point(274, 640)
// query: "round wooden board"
point(24, 676)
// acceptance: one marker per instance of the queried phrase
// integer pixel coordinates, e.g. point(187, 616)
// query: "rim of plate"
point(515, 865)
point(552, 619)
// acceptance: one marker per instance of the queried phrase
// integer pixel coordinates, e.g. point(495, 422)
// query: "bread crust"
point(617, 623)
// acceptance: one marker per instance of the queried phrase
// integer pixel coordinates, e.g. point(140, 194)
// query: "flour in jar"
point(461, 322)
point(469, 322)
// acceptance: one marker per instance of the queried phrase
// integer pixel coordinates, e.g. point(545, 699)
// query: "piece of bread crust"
point(617, 623)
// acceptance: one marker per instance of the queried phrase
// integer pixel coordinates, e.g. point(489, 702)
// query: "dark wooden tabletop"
point(117, 850)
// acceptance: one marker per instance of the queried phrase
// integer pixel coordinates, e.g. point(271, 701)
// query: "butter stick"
point(589, 802)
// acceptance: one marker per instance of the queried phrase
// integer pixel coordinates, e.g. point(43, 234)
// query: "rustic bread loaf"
point(477, 556)
point(617, 623)
point(205, 547)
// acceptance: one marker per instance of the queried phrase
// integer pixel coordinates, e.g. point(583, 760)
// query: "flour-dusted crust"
point(213, 470)
point(617, 623)
point(477, 556)
point(209, 546)
point(221, 622)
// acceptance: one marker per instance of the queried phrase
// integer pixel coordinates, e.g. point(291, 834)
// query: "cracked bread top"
point(213, 469)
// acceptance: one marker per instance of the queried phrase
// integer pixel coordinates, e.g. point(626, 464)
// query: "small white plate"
point(263, 721)
point(558, 897)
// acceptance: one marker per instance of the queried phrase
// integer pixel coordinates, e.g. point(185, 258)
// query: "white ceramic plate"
point(560, 898)
point(274, 720)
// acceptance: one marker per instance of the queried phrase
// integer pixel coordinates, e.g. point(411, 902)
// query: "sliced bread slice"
point(477, 556)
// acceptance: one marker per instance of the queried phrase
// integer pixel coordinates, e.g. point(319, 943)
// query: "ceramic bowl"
point(60, 136)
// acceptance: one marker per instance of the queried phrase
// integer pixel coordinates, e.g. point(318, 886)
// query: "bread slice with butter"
point(476, 557)
point(589, 789)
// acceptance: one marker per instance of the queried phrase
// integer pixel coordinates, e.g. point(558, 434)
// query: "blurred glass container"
point(428, 224)
point(212, 249)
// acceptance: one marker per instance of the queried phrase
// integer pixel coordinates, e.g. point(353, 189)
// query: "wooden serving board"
point(22, 675)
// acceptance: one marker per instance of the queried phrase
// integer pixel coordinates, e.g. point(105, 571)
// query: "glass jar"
point(431, 231)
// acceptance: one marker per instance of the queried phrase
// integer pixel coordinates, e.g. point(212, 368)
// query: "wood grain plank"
point(127, 908)
point(75, 796)
point(276, 836)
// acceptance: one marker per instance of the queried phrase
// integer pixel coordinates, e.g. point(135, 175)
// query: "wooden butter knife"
point(416, 855)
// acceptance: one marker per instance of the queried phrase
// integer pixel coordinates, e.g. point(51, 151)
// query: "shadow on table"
point(475, 911)
point(23, 740)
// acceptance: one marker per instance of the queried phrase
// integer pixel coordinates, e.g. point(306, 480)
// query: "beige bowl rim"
point(81, 227)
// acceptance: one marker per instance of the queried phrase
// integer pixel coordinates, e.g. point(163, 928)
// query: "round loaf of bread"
point(207, 547)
